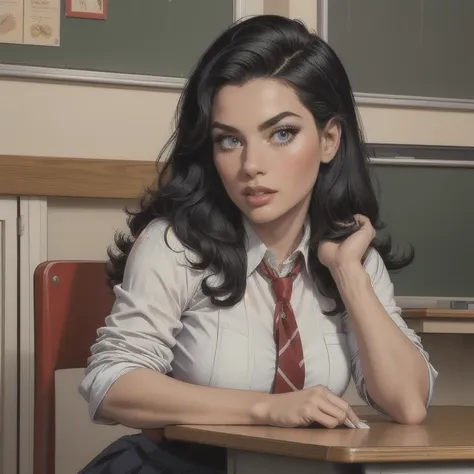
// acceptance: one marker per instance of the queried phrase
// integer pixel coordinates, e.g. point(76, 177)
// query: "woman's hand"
point(306, 407)
point(352, 249)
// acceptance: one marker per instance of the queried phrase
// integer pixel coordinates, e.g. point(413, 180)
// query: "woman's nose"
point(252, 160)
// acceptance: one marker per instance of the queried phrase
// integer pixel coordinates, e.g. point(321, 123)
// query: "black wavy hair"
point(189, 193)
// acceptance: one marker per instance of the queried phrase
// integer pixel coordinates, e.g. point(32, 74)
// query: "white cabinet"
point(33, 251)
point(8, 334)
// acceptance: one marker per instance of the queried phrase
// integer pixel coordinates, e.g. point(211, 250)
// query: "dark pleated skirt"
point(138, 454)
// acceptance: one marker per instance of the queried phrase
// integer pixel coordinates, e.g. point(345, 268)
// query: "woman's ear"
point(330, 140)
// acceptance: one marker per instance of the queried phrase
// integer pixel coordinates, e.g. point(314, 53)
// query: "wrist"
point(260, 410)
point(350, 277)
point(352, 268)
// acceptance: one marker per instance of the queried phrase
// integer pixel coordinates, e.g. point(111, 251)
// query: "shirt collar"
point(256, 249)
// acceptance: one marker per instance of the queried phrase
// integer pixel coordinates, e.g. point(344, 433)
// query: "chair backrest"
point(72, 299)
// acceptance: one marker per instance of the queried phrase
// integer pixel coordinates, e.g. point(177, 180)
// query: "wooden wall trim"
point(74, 177)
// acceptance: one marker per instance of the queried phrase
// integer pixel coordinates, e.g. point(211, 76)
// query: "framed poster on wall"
point(91, 9)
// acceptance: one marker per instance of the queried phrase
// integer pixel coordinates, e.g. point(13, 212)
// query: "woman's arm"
point(143, 398)
point(389, 364)
point(395, 373)
point(140, 332)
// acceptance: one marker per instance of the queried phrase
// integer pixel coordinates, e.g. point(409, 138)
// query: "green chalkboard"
point(405, 47)
point(433, 209)
point(147, 37)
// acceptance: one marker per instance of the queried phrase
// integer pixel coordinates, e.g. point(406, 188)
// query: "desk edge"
point(336, 454)
point(399, 454)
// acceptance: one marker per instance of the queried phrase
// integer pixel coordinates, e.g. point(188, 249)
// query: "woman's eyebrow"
point(263, 126)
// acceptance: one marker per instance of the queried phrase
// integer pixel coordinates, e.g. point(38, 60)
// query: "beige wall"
point(82, 229)
point(110, 122)
point(84, 121)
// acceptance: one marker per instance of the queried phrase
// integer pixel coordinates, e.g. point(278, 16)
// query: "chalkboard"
point(150, 37)
point(431, 208)
point(404, 48)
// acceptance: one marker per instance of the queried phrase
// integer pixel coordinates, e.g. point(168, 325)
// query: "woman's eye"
point(284, 136)
point(229, 143)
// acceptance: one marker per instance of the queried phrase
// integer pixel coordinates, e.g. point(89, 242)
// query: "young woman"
point(253, 283)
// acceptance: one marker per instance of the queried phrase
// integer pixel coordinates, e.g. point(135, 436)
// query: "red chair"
point(72, 300)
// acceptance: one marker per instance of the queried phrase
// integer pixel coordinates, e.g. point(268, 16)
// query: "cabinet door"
point(8, 334)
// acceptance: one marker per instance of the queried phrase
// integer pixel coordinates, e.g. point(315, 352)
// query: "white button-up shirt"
point(161, 320)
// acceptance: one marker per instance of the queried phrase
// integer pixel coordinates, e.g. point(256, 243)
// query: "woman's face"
point(267, 149)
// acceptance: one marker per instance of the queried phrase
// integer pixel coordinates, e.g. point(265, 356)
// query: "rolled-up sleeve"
point(384, 290)
point(146, 316)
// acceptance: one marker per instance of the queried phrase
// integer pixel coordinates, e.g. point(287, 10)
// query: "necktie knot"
point(282, 287)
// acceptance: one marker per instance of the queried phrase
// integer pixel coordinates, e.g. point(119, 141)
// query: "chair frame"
point(71, 300)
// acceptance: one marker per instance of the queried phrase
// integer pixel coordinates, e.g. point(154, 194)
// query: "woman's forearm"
point(395, 373)
point(145, 399)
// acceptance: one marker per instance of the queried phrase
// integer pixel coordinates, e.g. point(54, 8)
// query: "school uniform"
point(162, 321)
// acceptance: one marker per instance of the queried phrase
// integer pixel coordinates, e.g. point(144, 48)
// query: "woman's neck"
point(283, 235)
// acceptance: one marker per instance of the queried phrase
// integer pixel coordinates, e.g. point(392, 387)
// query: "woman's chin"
point(262, 215)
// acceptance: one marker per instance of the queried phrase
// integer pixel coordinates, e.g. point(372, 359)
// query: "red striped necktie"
point(290, 373)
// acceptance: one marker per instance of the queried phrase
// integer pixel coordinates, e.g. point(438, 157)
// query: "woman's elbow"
point(413, 413)
point(115, 410)
point(116, 399)
point(130, 399)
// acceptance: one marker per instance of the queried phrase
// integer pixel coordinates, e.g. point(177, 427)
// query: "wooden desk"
point(445, 321)
point(443, 444)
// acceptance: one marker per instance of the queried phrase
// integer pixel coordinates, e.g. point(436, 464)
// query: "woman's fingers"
point(347, 409)
point(365, 225)
point(356, 420)
point(334, 412)
point(326, 420)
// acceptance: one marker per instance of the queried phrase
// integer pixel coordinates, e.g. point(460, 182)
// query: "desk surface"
point(446, 435)
point(438, 313)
